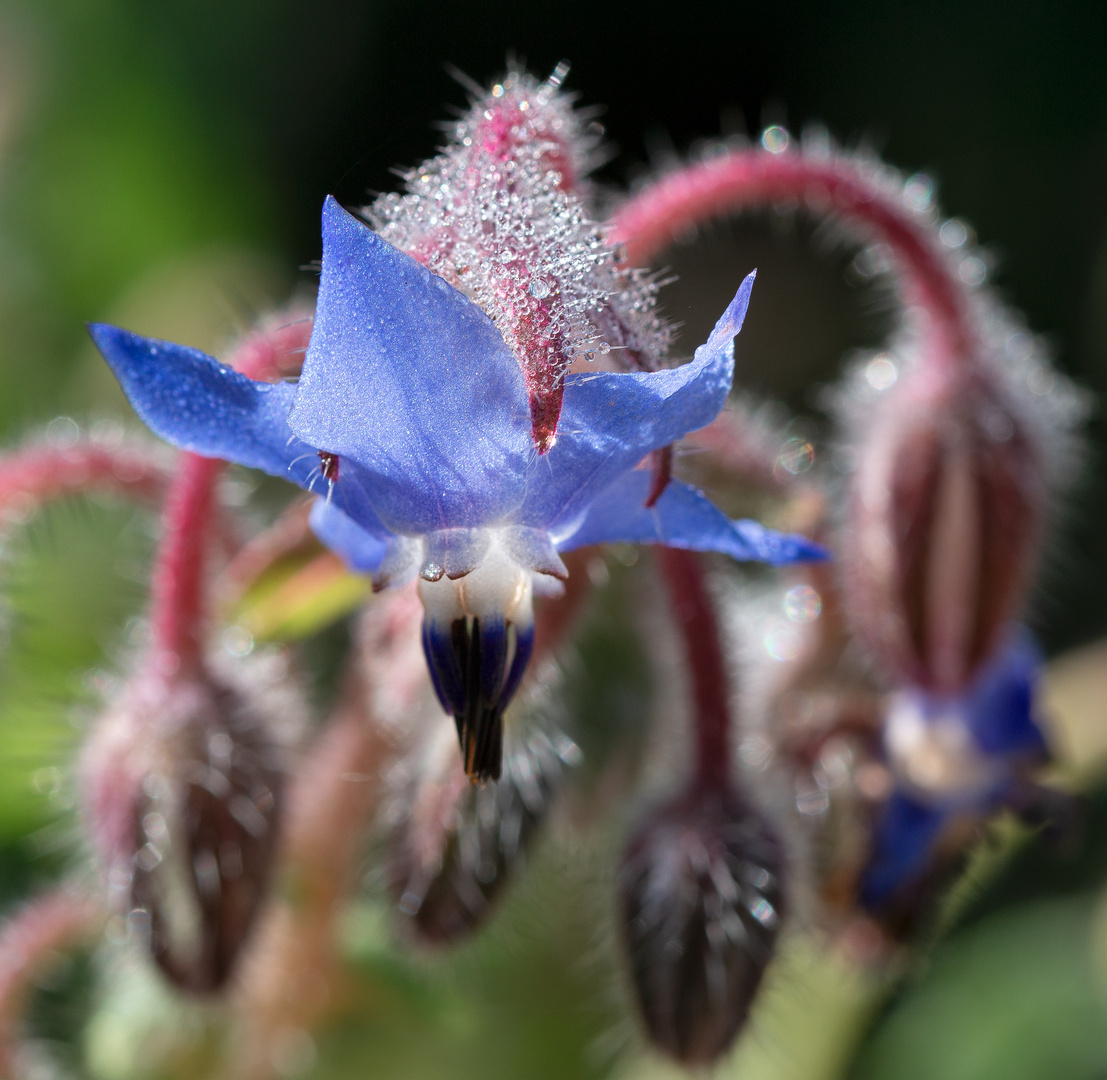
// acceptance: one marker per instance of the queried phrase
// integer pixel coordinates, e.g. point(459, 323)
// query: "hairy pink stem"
point(29, 941)
point(699, 629)
point(179, 569)
point(672, 206)
point(37, 474)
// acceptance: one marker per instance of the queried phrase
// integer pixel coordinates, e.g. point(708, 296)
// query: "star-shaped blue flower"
point(412, 413)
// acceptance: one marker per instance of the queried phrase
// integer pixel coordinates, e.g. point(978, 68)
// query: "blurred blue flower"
point(413, 414)
point(956, 759)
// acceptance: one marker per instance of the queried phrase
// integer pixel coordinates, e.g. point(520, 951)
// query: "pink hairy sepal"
point(501, 215)
point(944, 524)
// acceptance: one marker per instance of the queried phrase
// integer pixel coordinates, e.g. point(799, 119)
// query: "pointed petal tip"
point(729, 325)
point(782, 549)
point(804, 550)
point(106, 337)
point(776, 549)
point(337, 219)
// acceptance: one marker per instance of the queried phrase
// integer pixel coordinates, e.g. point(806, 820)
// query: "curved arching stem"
point(837, 187)
point(38, 474)
point(30, 942)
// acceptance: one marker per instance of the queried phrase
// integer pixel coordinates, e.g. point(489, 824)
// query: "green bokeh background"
point(163, 165)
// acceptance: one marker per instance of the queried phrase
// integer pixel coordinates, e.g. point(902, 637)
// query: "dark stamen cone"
point(476, 670)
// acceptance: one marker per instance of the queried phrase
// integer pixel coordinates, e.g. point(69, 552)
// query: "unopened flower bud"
point(181, 782)
point(458, 845)
point(701, 902)
point(944, 525)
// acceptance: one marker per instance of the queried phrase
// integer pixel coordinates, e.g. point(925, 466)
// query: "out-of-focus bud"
point(181, 782)
point(944, 524)
point(456, 845)
point(701, 898)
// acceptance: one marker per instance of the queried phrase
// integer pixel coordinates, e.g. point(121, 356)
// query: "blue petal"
point(360, 549)
point(411, 380)
point(905, 836)
point(1000, 704)
point(201, 405)
point(445, 670)
point(609, 422)
point(683, 517)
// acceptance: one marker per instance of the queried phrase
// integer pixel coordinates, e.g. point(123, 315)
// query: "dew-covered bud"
point(181, 782)
point(944, 525)
point(457, 845)
point(701, 901)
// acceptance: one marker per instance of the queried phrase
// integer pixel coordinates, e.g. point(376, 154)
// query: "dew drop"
point(62, 432)
point(539, 289)
point(775, 139)
point(764, 912)
point(880, 372)
point(953, 233)
point(972, 271)
point(782, 642)
point(237, 641)
point(918, 193)
point(797, 456)
point(802, 604)
point(813, 802)
point(1041, 382)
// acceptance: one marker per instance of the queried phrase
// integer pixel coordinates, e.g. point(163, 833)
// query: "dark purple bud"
point(181, 786)
point(459, 844)
point(701, 902)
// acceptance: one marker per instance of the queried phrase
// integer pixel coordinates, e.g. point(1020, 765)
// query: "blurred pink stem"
point(29, 941)
point(694, 613)
point(37, 474)
point(836, 187)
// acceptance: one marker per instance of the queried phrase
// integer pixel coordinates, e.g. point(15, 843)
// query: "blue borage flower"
point(413, 414)
point(955, 757)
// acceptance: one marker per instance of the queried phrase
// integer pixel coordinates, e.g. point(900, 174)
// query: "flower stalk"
point(39, 474)
point(699, 630)
point(748, 179)
point(30, 942)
